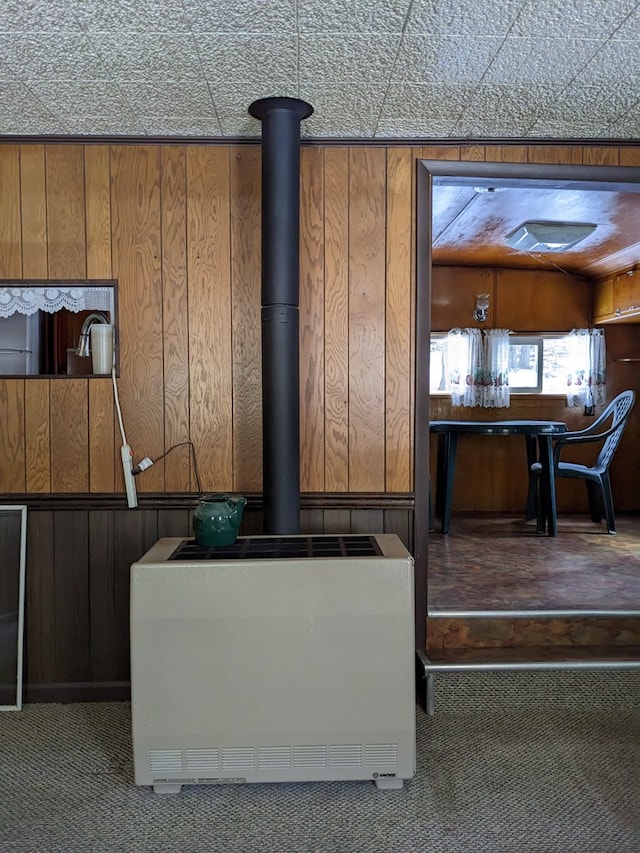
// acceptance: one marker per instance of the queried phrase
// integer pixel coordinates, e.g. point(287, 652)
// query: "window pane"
point(556, 365)
point(436, 365)
point(523, 365)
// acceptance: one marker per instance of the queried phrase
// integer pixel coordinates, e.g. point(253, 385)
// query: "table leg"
point(447, 474)
point(532, 492)
point(547, 496)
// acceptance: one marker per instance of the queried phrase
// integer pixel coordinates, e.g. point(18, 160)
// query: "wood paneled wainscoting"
point(79, 553)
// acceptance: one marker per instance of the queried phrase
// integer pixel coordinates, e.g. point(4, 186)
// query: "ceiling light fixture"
point(548, 236)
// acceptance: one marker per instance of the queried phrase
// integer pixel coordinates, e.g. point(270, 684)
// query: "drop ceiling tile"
point(443, 59)
point(26, 17)
point(123, 16)
point(31, 125)
point(248, 58)
point(250, 16)
point(509, 111)
point(629, 30)
point(89, 124)
point(20, 108)
point(342, 110)
point(415, 127)
point(56, 56)
point(6, 74)
point(94, 97)
point(627, 126)
point(357, 16)
point(522, 60)
point(181, 126)
point(422, 104)
point(552, 128)
point(339, 58)
point(617, 63)
point(576, 19)
point(589, 104)
point(468, 18)
point(148, 56)
point(188, 99)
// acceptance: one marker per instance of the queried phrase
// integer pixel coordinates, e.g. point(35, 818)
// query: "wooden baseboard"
point(85, 691)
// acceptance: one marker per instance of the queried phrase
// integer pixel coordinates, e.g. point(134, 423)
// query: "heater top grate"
point(280, 548)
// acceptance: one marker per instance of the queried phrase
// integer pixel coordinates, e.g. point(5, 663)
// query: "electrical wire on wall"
point(127, 456)
point(147, 462)
point(125, 451)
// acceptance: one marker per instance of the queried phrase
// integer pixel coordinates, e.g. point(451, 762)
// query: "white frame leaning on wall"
point(16, 561)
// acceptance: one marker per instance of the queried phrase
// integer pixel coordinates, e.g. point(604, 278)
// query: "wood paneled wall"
point(521, 300)
point(179, 227)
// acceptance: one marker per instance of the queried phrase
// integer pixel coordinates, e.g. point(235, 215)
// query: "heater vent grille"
point(238, 758)
point(310, 756)
point(274, 756)
point(280, 548)
point(165, 760)
point(202, 760)
point(345, 755)
point(381, 753)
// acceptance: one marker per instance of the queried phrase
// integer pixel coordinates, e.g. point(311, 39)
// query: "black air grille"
point(280, 548)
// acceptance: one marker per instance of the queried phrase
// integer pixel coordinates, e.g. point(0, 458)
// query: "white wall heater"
point(276, 659)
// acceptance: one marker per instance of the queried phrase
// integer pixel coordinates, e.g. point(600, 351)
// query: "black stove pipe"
point(281, 119)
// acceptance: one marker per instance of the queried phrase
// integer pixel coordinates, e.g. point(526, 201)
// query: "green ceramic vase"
point(217, 519)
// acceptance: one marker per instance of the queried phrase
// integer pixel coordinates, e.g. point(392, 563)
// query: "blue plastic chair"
point(596, 476)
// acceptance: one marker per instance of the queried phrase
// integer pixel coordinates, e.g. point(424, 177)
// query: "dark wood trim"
point(604, 178)
point(183, 500)
point(324, 142)
point(85, 691)
point(421, 419)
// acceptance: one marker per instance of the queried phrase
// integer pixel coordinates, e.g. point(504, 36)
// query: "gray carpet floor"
point(529, 763)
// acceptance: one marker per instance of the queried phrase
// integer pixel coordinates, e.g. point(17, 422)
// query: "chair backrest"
point(618, 409)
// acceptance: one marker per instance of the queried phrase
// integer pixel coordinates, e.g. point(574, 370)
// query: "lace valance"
point(28, 300)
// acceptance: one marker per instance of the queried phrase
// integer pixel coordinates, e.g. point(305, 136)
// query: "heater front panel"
point(273, 670)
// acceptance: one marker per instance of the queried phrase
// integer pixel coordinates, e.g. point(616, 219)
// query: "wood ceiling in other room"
point(470, 226)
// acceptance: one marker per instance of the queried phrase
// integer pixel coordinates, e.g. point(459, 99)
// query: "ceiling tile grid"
point(371, 68)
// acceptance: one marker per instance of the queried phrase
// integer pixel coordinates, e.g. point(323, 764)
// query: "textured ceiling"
point(434, 69)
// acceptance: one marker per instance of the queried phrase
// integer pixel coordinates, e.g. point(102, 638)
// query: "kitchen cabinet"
point(617, 299)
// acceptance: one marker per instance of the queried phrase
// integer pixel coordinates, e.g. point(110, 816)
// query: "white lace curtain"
point(586, 384)
point(463, 366)
point(477, 370)
point(28, 300)
point(496, 367)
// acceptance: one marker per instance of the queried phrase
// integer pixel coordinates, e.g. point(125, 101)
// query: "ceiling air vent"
point(548, 236)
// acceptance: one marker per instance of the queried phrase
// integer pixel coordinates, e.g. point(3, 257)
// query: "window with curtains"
point(571, 364)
